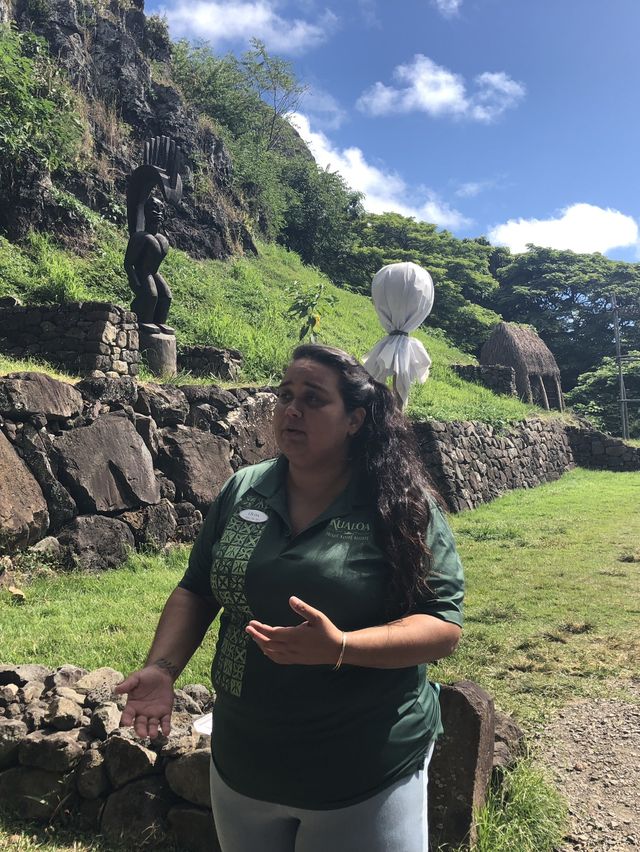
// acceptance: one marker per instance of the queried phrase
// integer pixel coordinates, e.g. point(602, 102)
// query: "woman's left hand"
point(317, 641)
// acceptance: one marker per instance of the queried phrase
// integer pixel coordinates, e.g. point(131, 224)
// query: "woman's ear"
point(356, 419)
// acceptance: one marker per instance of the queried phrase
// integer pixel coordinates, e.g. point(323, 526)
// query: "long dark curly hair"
point(385, 453)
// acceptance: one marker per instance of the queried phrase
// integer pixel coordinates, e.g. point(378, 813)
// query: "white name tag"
point(255, 516)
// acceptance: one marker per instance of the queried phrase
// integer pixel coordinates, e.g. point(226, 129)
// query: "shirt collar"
point(271, 486)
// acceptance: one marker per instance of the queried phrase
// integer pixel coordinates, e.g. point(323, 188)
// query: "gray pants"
point(394, 820)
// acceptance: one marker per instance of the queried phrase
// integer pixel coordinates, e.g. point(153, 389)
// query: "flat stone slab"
point(196, 462)
point(106, 466)
point(25, 394)
point(460, 770)
point(24, 517)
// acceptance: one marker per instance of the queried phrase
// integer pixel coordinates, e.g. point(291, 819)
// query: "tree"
point(459, 268)
point(566, 296)
point(597, 393)
point(319, 215)
point(272, 79)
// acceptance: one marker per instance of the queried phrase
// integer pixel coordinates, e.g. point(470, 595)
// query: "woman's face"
point(311, 424)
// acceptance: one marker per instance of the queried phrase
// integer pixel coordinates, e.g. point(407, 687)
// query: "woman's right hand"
point(149, 701)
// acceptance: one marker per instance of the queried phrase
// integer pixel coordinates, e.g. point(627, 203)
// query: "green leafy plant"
point(306, 307)
point(38, 121)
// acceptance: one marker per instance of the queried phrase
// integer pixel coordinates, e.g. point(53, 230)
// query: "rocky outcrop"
point(118, 61)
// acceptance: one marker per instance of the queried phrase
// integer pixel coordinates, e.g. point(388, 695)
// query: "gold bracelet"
point(341, 657)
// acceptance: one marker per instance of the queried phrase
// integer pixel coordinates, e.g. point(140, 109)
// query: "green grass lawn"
point(553, 599)
point(553, 592)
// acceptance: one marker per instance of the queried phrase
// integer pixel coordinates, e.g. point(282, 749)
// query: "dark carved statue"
point(147, 247)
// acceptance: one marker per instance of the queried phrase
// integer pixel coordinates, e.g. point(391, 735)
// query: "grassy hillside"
point(242, 304)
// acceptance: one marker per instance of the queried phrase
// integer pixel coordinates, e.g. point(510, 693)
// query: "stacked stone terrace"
point(87, 338)
point(595, 449)
point(107, 464)
point(472, 462)
point(498, 379)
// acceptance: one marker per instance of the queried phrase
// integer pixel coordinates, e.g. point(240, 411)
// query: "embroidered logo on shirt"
point(237, 544)
point(349, 530)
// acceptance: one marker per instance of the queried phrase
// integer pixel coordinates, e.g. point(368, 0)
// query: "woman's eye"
point(313, 400)
point(284, 396)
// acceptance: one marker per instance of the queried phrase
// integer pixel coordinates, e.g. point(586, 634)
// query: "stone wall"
point(498, 379)
point(595, 449)
point(106, 464)
point(62, 753)
point(91, 469)
point(210, 361)
point(81, 337)
point(473, 462)
point(96, 339)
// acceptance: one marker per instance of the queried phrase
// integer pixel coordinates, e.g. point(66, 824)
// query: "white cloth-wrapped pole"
point(403, 297)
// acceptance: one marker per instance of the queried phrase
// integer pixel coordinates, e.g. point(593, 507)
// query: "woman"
point(339, 580)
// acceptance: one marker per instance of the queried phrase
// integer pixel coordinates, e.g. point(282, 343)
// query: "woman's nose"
point(293, 410)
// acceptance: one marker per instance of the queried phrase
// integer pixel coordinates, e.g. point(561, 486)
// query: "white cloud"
point(369, 12)
point(496, 92)
point(323, 109)
point(583, 228)
point(448, 8)
point(229, 21)
point(384, 191)
point(425, 86)
point(473, 188)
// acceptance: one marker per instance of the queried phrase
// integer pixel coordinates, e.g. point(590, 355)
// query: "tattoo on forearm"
point(167, 665)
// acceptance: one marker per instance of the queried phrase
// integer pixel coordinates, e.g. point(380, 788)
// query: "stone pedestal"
point(159, 352)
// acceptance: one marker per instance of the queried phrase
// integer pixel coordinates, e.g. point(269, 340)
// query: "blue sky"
point(515, 119)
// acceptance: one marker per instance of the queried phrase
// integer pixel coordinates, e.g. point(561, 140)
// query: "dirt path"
point(593, 750)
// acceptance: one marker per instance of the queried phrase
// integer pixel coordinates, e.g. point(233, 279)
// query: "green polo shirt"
point(308, 736)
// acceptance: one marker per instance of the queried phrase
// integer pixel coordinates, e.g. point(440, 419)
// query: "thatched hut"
point(537, 373)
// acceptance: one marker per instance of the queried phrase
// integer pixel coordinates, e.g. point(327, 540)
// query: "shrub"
point(37, 115)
